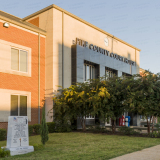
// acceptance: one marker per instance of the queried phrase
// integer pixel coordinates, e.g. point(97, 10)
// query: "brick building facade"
point(19, 66)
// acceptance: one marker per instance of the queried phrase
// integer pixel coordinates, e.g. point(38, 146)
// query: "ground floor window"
point(18, 105)
point(89, 72)
point(110, 72)
point(108, 121)
point(90, 117)
point(126, 74)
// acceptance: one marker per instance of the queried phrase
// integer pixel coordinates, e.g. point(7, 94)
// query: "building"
point(77, 50)
point(22, 67)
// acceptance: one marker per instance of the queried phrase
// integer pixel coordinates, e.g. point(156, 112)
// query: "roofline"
point(11, 15)
point(22, 25)
point(79, 19)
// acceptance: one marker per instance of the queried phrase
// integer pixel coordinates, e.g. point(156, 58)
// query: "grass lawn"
point(85, 146)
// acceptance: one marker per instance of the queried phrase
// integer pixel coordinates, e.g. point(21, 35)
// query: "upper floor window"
point(19, 60)
point(89, 72)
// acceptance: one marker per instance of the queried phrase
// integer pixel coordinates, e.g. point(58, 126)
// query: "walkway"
point(152, 153)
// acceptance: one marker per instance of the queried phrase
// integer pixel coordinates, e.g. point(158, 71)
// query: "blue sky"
point(136, 22)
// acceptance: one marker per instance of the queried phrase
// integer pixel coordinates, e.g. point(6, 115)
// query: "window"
point(89, 72)
point(18, 105)
point(90, 117)
point(19, 59)
point(126, 74)
point(109, 73)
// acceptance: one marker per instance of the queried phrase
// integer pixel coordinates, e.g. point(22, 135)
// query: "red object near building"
point(120, 121)
point(123, 121)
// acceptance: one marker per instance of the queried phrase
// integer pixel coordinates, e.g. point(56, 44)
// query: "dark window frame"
point(115, 72)
point(19, 105)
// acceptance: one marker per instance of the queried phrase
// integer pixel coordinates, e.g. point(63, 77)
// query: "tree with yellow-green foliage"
point(101, 98)
point(109, 98)
point(80, 101)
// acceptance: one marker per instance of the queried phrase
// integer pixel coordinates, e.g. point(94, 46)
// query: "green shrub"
point(156, 134)
point(74, 127)
point(38, 147)
point(127, 131)
point(30, 129)
point(3, 134)
point(51, 127)
point(4, 153)
point(97, 128)
point(100, 129)
point(63, 127)
point(37, 128)
point(157, 126)
point(90, 127)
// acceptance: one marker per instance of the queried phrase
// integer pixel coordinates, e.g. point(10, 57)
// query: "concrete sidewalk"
point(152, 153)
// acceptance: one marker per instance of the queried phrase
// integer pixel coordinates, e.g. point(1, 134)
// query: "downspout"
point(112, 44)
point(62, 50)
point(135, 56)
point(38, 78)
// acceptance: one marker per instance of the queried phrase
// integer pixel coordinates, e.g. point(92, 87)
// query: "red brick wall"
point(22, 83)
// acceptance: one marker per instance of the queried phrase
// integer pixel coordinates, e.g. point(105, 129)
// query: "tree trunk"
point(84, 125)
point(150, 124)
point(81, 122)
point(153, 118)
point(147, 126)
point(113, 125)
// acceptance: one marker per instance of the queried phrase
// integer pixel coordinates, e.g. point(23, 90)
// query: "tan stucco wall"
point(74, 28)
point(57, 48)
point(46, 23)
point(5, 106)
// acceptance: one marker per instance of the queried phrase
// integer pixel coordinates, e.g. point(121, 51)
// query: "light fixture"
point(6, 24)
